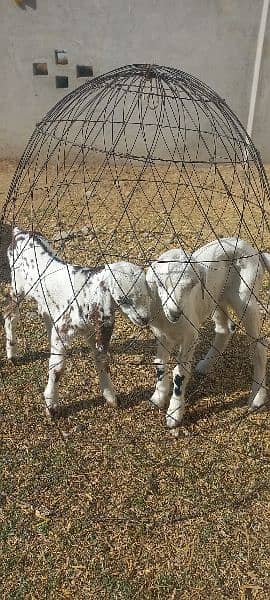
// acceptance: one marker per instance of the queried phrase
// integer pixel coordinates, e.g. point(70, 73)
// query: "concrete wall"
point(212, 39)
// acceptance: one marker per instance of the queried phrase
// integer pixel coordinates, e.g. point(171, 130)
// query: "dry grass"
point(102, 503)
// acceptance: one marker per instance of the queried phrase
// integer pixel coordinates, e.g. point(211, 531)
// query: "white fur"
point(72, 299)
point(187, 290)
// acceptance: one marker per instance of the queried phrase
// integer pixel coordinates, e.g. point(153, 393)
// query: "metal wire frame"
point(180, 126)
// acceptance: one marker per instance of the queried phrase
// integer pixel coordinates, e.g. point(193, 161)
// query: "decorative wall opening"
point(61, 81)
point(61, 57)
point(40, 68)
point(84, 71)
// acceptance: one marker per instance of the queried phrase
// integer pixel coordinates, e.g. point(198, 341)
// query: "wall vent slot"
point(61, 81)
point(84, 71)
point(40, 68)
point(61, 57)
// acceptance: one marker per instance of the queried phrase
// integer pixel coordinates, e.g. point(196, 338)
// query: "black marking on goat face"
point(178, 380)
point(160, 373)
point(232, 327)
point(103, 286)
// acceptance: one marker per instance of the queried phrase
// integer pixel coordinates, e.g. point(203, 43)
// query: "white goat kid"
point(187, 290)
point(72, 299)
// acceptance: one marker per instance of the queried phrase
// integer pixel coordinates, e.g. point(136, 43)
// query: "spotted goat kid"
point(189, 288)
point(72, 299)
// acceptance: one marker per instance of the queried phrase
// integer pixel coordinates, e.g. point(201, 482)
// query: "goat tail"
point(265, 259)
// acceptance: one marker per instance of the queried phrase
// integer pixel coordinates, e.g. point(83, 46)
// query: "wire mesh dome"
point(136, 162)
point(138, 159)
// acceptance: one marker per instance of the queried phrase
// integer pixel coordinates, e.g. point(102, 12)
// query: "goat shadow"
point(134, 346)
point(125, 401)
point(197, 389)
point(237, 367)
point(34, 355)
point(142, 395)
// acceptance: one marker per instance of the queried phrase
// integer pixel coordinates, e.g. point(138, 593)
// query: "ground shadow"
point(32, 356)
point(134, 346)
point(233, 373)
point(77, 406)
point(125, 401)
point(200, 413)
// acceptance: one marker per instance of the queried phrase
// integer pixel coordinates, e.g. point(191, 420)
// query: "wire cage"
point(136, 162)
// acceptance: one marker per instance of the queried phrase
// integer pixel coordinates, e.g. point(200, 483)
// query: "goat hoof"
point(52, 412)
point(154, 405)
point(110, 398)
point(174, 433)
point(201, 368)
point(156, 401)
point(173, 424)
point(112, 402)
point(12, 358)
point(257, 402)
point(256, 408)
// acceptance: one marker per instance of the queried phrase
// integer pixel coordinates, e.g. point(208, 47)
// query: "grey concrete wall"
point(212, 39)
